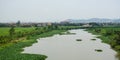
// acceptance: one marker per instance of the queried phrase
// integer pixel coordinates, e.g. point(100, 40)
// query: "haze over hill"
point(96, 20)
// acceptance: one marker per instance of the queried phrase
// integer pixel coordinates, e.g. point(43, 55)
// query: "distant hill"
point(96, 20)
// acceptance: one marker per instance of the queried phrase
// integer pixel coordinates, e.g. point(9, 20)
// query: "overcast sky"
point(57, 10)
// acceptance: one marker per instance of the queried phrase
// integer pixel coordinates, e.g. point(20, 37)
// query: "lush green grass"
point(106, 33)
point(28, 29)
point(5, 30)
point(12, 51)
point(18, 32)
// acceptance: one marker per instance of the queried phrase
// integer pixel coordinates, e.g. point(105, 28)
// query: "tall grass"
point(12, 51)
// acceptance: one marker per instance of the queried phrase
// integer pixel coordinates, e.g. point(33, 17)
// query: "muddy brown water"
point(65, 47)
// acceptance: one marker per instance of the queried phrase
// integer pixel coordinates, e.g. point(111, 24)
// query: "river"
point(65, 47)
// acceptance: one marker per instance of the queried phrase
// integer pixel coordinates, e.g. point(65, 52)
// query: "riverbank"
point(65, 47)
point(109, 36)
point(12, 50)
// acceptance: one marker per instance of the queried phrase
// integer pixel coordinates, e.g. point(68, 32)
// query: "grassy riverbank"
point(14, 39)
point(12, 50)
point(110, 36)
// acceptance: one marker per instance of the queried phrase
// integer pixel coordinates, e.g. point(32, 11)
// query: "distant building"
point(43, 24)
point(86, 25)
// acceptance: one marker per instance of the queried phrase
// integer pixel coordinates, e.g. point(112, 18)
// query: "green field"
point(5, 30)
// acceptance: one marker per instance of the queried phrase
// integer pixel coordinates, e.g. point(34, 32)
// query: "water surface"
point(65, 47)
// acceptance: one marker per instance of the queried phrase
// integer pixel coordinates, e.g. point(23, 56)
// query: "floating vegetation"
point(66, 33)
point(98, 50)
point(78, 39)
point(93, 39)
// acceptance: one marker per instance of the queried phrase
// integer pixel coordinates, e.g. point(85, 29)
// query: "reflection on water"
point(65, 47)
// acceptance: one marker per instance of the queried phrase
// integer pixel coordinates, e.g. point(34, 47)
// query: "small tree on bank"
point(18, 24)
point(11, 32)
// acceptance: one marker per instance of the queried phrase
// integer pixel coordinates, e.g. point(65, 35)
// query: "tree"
point(18, 23)
point(94, 24)
point(56, 26)
point(11, 32)
point(117, 37)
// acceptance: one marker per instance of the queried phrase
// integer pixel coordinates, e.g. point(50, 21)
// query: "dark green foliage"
point(93, 39)
point(98, 50)
point(4, 25)
point(78, 39)
point(11, 32)
point(109, 35)
point(13, 52)
point(95, 24)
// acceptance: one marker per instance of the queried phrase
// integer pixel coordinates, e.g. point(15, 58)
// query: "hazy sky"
point(57, 10)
